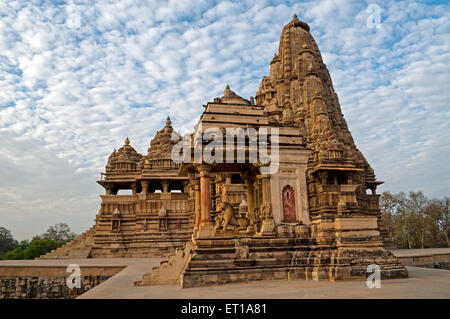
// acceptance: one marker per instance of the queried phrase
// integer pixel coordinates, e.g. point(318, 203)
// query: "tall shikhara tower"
point(299, 92)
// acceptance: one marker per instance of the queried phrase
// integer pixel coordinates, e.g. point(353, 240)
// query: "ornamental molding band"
point(316, 217)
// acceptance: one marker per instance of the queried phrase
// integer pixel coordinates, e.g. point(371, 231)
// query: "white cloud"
point(78, 78)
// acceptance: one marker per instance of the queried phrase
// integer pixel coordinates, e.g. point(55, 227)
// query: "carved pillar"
point(197, 203)
point(265, 185)
point(268, 224)
point(165, 185)
point(251, 196)
point(257, 193)
point(109, 189)
point(349, 178)
point(250, 191)
point(185, 186)
point(133, 188)
point(323, 177)
point(205, 195)
point(144, 185)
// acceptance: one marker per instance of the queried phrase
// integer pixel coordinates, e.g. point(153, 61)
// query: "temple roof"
point(295, 22)
point(125, 154)
point(232, 98)
point(161, 145)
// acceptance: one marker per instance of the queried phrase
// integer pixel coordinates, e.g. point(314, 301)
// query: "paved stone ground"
point(422, 283)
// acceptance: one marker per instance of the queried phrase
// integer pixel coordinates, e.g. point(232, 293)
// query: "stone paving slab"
point(423, 283)
point(124, 280)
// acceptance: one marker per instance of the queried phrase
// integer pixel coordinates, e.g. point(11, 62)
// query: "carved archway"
point(288, 198)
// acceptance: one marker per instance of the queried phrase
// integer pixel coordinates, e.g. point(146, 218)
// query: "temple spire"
point(168, 121)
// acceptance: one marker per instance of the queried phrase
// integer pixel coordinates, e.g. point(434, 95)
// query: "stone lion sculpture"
point(227, 217)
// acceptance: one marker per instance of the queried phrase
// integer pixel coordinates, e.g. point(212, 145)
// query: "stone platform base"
point(134, 252)
point(213, 261)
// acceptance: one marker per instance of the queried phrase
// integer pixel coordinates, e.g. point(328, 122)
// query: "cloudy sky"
point(78, 77)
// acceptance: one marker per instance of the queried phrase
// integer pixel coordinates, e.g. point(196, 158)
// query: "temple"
point(287, 196)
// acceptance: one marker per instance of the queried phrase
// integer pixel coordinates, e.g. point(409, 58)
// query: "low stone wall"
point(44, 287)
point(28, 282)
point(433, 261)
point(427, 258)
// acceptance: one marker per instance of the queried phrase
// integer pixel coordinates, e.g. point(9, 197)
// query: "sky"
point(78, 77)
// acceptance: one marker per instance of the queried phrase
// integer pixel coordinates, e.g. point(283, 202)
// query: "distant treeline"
point(415, 221)
point(54, 237)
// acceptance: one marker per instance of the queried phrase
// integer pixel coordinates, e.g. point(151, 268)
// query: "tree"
point(40, 247)
point(414, 221)
point(32, 250)
point(7, 242)
point(54, 237)
point(16, 253)
point(417, 205)
point(60, 233)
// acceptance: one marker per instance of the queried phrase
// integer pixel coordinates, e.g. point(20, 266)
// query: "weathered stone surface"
point(21, 287)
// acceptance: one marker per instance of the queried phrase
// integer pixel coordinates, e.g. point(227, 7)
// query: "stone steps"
point(169, 271)
point(80, 247)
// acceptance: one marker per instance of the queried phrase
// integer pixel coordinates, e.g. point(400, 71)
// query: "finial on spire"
point(227, 92)
point(297, 23)
point(127, 141)
point(168, 121)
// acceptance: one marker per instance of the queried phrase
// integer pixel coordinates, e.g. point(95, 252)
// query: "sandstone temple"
point(315, 217)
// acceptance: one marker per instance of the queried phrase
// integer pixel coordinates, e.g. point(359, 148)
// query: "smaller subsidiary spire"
point(275, 56)
point(227, 91)
point(230, 97)
point(168, 121)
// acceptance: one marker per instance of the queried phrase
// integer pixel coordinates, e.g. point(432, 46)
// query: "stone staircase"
point(80, 247)
point(170, 270)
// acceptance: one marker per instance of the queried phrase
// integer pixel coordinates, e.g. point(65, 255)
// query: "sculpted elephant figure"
point(227, 217)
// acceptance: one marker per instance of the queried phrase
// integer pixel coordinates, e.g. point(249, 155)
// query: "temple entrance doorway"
point(289, 212)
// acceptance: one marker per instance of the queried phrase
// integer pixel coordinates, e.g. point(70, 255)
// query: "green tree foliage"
point(60, 233)
point(16, 253)
point(414, 221)
point(40, 247)
point(7, 242)
point(54, 237)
